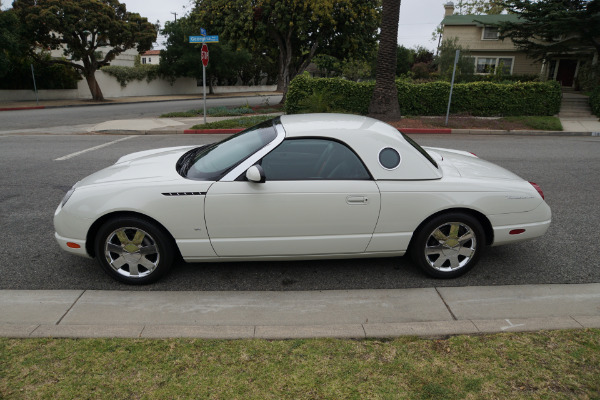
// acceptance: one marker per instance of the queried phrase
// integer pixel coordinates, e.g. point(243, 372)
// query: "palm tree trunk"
point(384, 102)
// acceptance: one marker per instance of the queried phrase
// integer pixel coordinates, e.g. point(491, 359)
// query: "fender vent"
point(184, 194)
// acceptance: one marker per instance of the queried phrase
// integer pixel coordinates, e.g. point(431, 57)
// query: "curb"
point(210, 131)
point(426, 130)
point(425, 329)
point(22, 108)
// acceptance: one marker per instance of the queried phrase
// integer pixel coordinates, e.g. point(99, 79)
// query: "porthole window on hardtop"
point(389, 158)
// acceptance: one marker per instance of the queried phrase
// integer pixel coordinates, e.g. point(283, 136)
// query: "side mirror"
point(256, 174)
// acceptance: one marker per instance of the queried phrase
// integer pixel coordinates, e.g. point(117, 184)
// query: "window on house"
point(143, 60)
point(490, 33)
point(488, 65)
point(149, 60)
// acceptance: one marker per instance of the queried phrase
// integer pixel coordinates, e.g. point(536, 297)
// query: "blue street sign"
point(204, 39)
point(202, 32)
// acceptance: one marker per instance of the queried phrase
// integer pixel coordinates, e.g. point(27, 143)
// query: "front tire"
point(448, 245)
point(133, 250)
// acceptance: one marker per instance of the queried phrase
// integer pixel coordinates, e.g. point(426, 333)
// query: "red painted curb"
point(22, 108)
point(425, 130)
point(210, 131)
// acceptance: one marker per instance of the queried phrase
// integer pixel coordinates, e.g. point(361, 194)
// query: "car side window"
point(313, 159)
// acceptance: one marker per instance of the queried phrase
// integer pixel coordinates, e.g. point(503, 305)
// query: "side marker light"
point(516, 231)
point(73, 245)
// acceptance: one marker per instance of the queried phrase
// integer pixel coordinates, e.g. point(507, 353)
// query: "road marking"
point(68, 156)
point(510, 325)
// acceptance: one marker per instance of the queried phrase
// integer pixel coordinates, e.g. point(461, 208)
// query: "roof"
point(479, 20)
point(151, 53)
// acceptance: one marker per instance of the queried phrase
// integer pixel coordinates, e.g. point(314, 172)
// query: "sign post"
point(203, 38)
point(204, 55)
point(452, 85)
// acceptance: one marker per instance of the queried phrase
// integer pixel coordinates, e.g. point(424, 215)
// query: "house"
point(150, 57)
point(478, 34)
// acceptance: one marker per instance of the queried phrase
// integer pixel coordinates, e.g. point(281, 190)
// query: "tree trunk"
point(94, 87)
point(384, 103)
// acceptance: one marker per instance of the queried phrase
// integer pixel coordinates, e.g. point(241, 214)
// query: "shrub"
point(126, 74)
point(595, 101)
point(431, 98)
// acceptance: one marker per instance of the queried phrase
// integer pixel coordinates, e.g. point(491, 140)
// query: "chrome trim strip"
point(168, 194)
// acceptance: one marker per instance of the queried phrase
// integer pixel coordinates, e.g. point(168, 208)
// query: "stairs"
point(575, 105)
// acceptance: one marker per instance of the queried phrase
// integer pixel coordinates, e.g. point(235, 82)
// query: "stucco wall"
point(111, 88)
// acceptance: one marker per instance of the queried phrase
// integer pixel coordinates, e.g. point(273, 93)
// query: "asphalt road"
point(66, 118)
point(33, 183)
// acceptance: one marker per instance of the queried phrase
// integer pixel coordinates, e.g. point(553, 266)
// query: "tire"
point(133, 250)
point(448, 245)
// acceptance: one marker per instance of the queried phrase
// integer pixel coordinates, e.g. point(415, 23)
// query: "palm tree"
point(384, 103)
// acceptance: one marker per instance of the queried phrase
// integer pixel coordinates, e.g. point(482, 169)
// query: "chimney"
point(449, 8)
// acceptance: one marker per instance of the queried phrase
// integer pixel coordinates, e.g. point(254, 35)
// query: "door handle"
point(357, 200)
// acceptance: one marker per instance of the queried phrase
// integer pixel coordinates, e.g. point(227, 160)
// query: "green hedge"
point(595, 101)
point(475, 98)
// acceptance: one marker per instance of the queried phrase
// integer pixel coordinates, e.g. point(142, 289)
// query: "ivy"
point(124, 75)
point(431, 98)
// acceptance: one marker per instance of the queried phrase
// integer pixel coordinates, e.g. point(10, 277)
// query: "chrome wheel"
point(131, 252)
point(450, 246)
point(134, 250)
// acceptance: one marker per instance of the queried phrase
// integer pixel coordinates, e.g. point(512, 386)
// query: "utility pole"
point(175, 14)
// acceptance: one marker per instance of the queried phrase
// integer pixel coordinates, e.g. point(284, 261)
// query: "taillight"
point(539, 190)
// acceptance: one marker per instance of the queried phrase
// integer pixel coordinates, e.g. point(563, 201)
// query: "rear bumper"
point(533, 224)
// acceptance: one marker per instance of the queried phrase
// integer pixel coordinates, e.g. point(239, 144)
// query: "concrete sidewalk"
point(294, 314)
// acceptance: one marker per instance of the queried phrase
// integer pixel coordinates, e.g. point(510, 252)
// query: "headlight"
point(67, 197)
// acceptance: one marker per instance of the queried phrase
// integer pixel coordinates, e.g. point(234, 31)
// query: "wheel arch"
point(93, 231)
point(483, 220)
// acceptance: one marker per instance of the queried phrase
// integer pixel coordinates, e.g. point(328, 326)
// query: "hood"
point(145, 166)
point(470, 166)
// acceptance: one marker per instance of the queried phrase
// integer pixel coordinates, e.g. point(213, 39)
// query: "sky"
point(418, 18)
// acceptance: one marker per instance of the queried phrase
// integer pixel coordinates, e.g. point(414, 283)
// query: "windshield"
point(419, 149)
point(212, 162)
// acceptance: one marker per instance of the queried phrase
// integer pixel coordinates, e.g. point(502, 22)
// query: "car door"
point(318, 198)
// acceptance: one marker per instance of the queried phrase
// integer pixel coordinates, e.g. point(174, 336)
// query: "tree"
point(181, 58)
point(446, 56)
point(384, 102)
point(405, 58)
point(545, 25)
point(299, 29)
point(478, 7)
point(81, 28)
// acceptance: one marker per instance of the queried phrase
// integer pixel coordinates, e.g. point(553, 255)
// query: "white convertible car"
point(310, 186)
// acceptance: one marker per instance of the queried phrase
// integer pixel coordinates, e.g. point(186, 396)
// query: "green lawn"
point(545, 365)
point(244, 122)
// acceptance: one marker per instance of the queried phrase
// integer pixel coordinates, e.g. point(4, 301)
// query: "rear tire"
point(133, 250)
point(448, 245)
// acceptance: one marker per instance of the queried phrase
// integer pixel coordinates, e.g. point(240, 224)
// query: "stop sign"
point(204, 55)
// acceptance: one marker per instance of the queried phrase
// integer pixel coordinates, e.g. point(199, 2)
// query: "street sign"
point(202, 32)
point(204, 55)
point(204, 39)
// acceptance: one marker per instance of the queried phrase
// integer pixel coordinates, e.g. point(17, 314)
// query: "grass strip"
point(538, 123)
point(544, 365)
point(244, 122)
point(221, 112)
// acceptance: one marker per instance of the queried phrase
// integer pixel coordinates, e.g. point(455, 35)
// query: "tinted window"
point(306, 159)
point(389, 158)
point(212, 162)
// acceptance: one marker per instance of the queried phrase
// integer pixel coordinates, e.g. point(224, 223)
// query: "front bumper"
point(67, 244)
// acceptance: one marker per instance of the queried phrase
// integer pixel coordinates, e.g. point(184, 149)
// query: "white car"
point(310, 186)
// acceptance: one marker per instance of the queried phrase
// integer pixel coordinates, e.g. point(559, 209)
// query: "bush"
point(431, 98)
point(126, 74)
point(595, 101)
point(47, 76)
